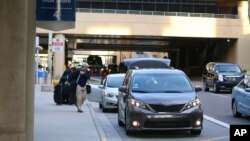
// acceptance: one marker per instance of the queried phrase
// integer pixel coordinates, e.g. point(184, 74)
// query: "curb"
point(100, 131)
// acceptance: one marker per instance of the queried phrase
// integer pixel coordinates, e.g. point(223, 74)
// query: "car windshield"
point(161, 83)
point(228, 68)
point(114, 82)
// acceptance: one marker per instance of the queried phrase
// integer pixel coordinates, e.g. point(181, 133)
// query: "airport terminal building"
point(190, 32)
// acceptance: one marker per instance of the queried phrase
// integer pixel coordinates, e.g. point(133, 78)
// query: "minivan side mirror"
point(123, 89)
point(244, 71)
point(198, 88)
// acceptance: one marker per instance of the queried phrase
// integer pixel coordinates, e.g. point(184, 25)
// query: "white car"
point(109, 91)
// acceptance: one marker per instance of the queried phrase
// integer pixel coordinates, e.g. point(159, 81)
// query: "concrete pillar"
point(59, 60)
point(243, 9)
point(249, 10)
point(17, 61)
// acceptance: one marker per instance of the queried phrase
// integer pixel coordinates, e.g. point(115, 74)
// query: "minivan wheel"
point(205, 88)
point(235, 110)
point(127, 130)
point(195, 132)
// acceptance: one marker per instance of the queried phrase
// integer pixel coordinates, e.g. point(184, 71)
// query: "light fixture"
point(228, 40)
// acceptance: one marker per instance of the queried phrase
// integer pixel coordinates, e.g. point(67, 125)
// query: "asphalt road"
point(217, 115)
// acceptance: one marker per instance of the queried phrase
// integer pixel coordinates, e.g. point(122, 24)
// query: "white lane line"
point(214, 139)
point(98, 126)
point(223, 124)
point(223, 96)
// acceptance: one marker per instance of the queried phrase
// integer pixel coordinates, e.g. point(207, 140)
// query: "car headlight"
point(109, 94)
point(137, 104)
point(192, 104)
point(220, 77)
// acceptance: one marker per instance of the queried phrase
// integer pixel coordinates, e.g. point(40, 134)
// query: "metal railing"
point(158, 13)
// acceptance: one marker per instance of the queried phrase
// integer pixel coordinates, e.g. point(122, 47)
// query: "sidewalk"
point(64, 123)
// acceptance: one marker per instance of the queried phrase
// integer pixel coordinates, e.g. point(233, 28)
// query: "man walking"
point(82, 75)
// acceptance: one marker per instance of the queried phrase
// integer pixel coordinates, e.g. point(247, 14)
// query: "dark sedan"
point(221, 76)
point(159, 99)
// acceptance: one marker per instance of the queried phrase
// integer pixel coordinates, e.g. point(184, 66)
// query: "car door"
point(245, 100)
point(96, 93)
point(210, 75)
point(122, 97)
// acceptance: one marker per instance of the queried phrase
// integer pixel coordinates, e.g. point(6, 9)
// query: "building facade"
point(191, 32)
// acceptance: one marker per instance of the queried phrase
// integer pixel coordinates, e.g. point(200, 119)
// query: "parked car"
point(241, 98)
point(221, 76)
point(131, 63)
point(110, 91)
point(159, 99)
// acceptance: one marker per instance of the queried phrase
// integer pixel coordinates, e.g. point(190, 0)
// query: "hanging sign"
point(57, 44)
point(55, 10)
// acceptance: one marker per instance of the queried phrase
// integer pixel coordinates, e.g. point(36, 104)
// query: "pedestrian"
point(104, 73)
point(82, 75)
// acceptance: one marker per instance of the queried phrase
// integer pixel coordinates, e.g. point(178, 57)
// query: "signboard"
point(57, 44)
point(51, 10)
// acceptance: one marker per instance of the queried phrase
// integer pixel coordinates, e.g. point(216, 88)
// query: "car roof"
point(116, 75)
point(158, 70)
point(222, 63)
point(147, 63)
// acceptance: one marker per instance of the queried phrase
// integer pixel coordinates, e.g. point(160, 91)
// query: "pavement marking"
point(100, 131)
point(223, 96)
point(211, 119)
point(214, 139)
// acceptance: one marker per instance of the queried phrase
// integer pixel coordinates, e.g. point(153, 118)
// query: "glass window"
point(135, 6)
point(228, 68)
point(187, 8)
point(114, 82)
point(174, 8)
point(123, 6)
point(97, 5)
point(108, 5)
point(244, 84)
point(200, 9)
point(161, 7)
point(149, 7)
point(162, 83)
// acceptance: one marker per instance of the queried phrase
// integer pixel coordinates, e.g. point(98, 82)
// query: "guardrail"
point(159, 13)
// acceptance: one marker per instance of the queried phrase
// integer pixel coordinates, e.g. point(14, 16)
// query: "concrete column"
point(243, 9)
point(59, 60)
point(17, 61)
point(249, 10)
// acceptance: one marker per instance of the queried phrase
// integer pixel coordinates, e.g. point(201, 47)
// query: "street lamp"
point(37, 60)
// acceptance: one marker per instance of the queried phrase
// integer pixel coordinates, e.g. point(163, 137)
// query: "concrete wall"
point(175, 26)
